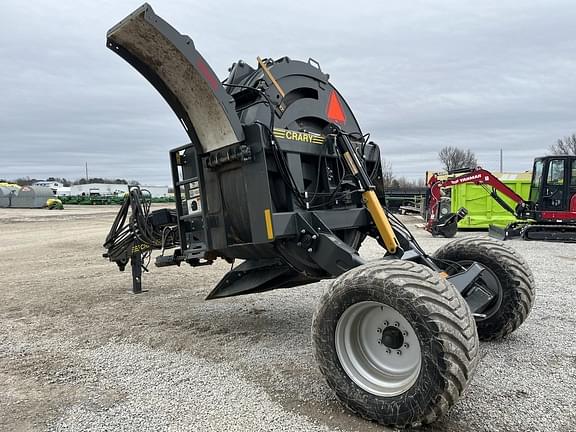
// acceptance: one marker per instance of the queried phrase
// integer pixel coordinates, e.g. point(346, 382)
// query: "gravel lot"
point(79, 352)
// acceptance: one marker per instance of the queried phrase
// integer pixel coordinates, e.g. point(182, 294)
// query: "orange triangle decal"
point(334, 111)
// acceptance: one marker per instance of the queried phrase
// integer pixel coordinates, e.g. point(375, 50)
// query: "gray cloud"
point(419, 75)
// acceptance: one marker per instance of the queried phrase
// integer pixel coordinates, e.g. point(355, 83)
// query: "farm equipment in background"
point(107, 199)
point(404, 200)
point(483, 210)
point(54, 204)
point(549, 214)
point(279, 175)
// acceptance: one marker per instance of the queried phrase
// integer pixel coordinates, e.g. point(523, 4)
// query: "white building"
point(54, 185)
point(101, 189)
point(64, 191)
point(106, 189)
point(156, 191)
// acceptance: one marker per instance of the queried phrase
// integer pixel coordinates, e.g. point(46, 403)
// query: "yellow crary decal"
point(298, 136)
point(142, 247)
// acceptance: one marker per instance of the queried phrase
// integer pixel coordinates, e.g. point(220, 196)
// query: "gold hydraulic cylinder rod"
point(369, 197)
point(381, 220)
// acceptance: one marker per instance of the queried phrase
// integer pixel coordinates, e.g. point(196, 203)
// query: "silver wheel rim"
point(378, 348)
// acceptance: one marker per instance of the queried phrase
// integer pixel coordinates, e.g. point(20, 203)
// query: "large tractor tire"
point(514, 282)
point(396, 343)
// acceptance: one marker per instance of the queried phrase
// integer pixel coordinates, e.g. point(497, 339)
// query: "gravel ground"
point(79, 352)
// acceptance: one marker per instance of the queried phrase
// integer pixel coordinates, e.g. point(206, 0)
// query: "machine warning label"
point(298, 136)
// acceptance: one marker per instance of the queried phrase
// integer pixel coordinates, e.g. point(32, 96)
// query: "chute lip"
point(145, 7)
point(145, 40)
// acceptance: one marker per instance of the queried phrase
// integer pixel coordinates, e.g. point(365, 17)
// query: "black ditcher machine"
point(279, 176)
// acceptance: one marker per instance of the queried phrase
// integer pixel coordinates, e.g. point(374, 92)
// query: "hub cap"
point(378, 348)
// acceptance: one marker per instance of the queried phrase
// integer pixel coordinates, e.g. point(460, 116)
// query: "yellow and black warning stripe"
point(298, 136)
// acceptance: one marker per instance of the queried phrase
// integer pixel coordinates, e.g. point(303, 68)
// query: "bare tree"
point(390, 181)
point(456, 158)
point(407, 183)
point(564, 146)
point(387, 173)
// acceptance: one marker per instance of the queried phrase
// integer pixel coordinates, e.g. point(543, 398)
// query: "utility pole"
point(501, 160)
point(86, 172)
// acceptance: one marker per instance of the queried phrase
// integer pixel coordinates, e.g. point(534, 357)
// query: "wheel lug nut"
point(404, 333)
point(406, 345)
point(385, 323)
point(396, 324)
point(379, 342)
point(379, 330)
point(399, 352)
point(388, 351)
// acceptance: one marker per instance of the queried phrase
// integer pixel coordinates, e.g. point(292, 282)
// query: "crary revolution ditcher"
point(279, 176)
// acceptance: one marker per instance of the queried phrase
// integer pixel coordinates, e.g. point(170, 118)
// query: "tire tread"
point(518, 271)
point(443, 307)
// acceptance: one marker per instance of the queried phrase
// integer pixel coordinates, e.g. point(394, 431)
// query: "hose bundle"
point(133, 229)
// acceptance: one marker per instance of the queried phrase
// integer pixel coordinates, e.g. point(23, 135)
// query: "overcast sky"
point(417, 74)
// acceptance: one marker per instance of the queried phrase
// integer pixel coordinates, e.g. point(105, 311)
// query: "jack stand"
point(136, 263)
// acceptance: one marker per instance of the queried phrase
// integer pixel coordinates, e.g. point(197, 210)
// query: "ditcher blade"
point(170, 62)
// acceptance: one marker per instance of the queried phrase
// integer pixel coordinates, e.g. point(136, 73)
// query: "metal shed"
point(6, 195)
point(32, 197)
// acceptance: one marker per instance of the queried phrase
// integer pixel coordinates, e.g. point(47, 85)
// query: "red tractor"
point(549, 214)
